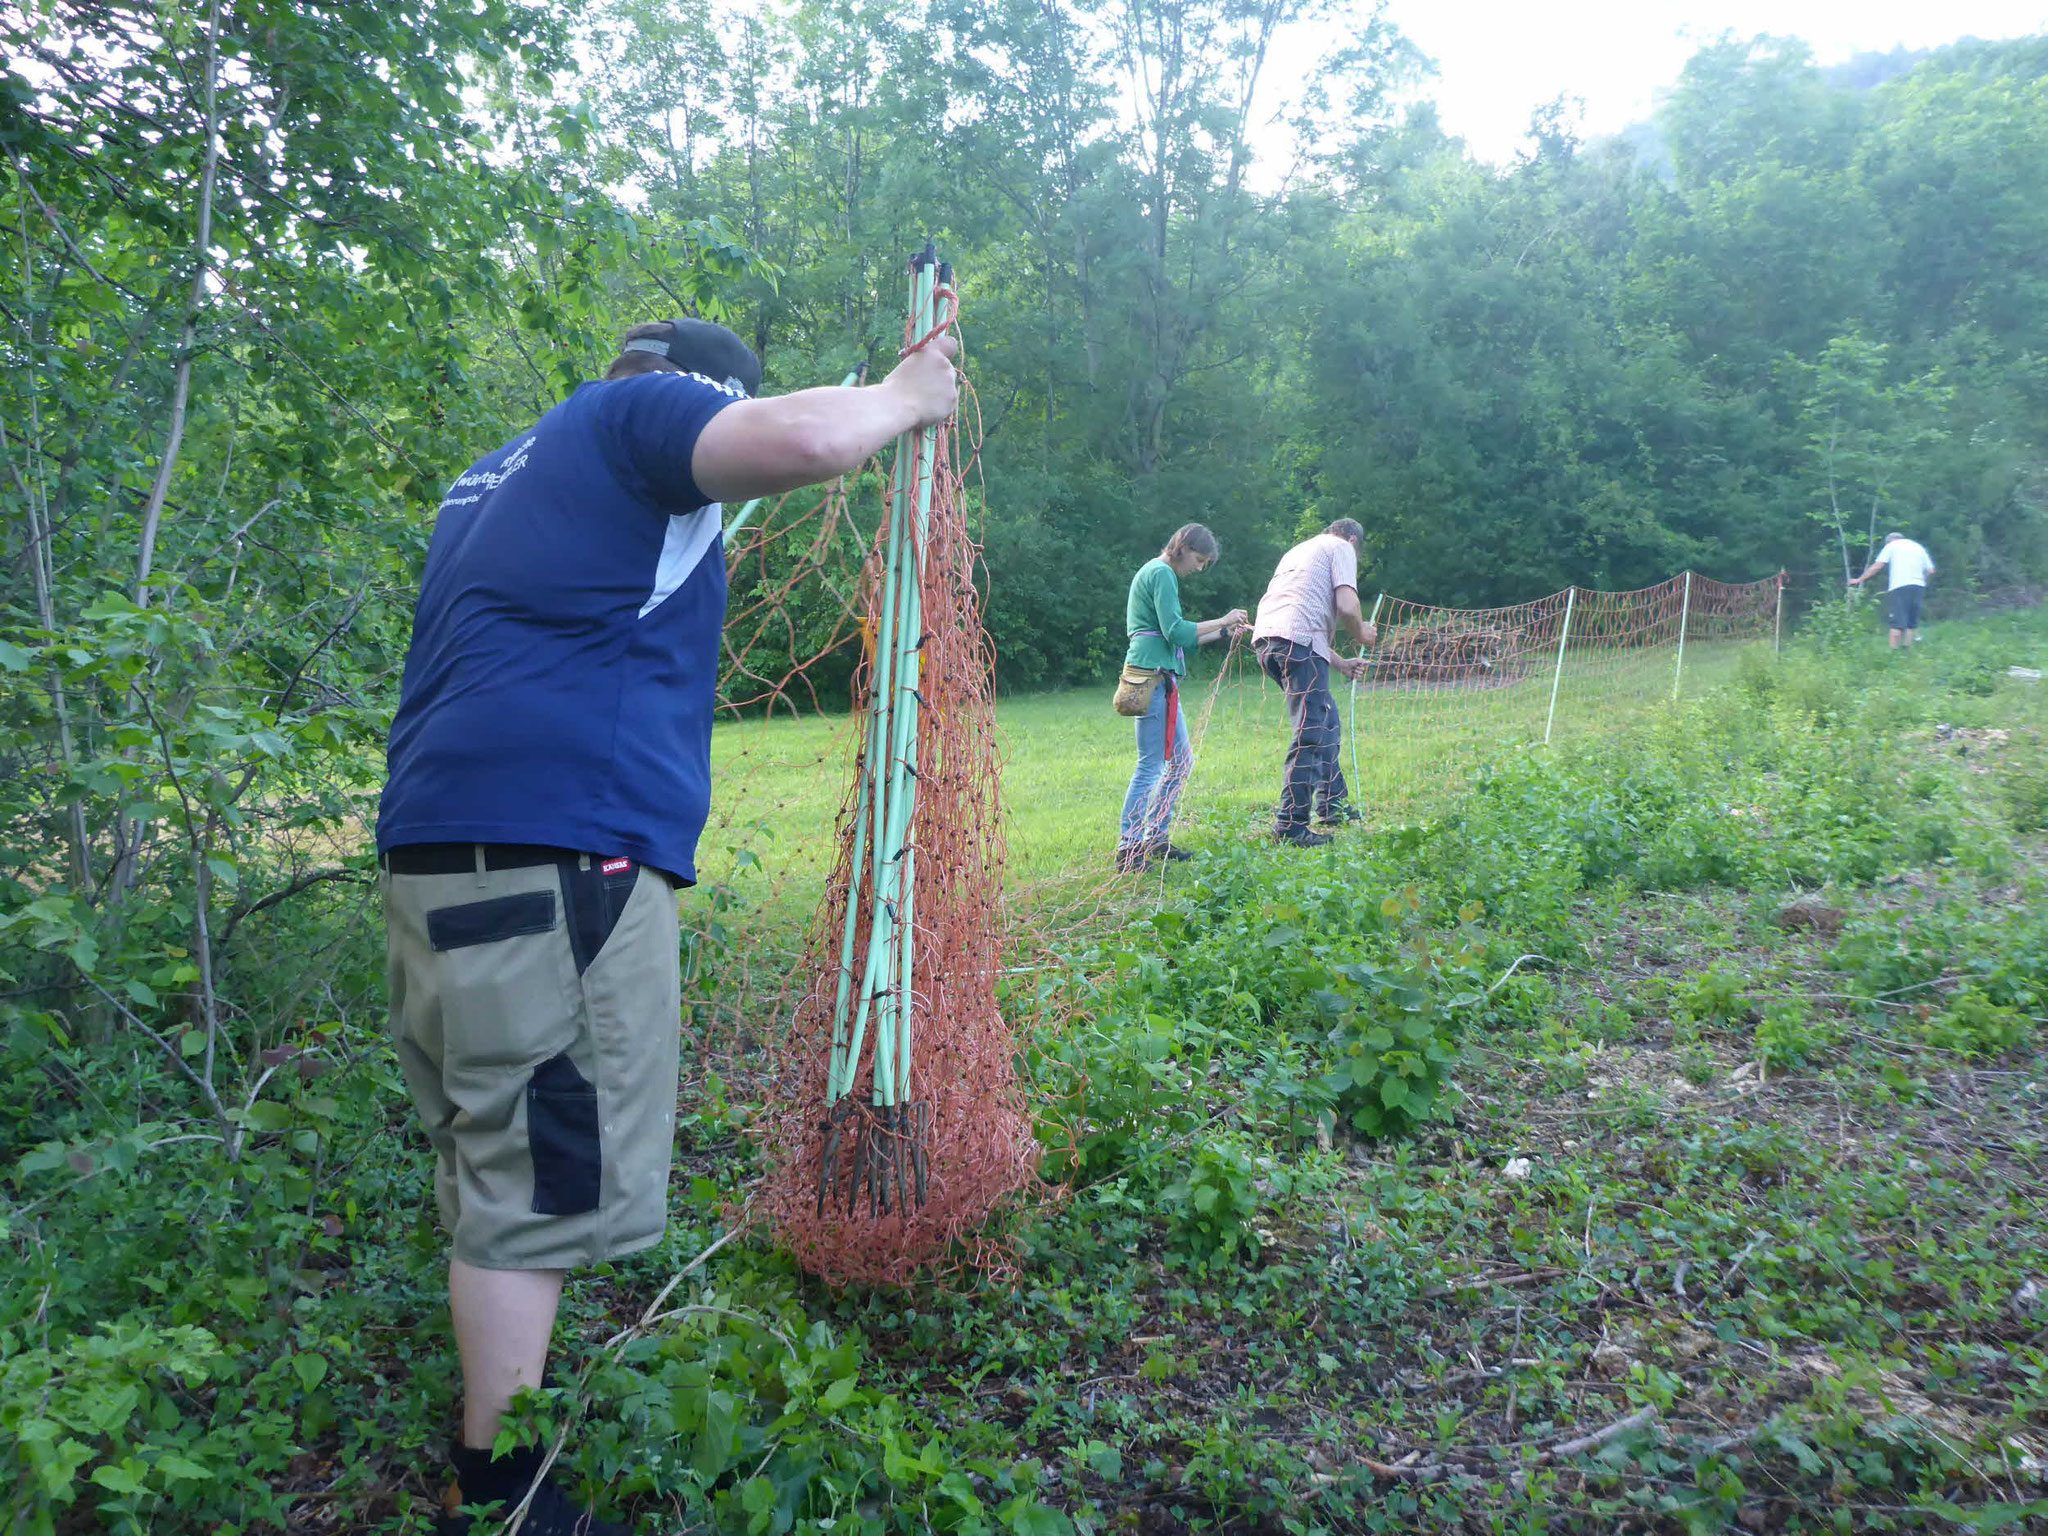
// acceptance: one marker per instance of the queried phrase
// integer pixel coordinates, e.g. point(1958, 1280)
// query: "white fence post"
point(1778, 619)
point(1570, 593)
point(1380, 598)
point(1684, 613)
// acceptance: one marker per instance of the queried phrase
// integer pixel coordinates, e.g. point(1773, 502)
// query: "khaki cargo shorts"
point(535, 1009)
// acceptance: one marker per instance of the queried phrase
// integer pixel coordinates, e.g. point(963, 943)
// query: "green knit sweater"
point(1154, 604)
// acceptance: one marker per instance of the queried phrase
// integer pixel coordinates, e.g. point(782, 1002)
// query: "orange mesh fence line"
point(788, 610)
point(790, 644)
point(1446, 687)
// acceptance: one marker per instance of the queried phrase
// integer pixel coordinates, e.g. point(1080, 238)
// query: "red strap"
point(1172, 715)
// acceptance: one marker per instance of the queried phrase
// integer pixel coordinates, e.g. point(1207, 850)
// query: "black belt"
point(460, 858)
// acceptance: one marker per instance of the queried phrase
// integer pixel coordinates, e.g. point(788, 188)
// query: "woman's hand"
point(1222, 628)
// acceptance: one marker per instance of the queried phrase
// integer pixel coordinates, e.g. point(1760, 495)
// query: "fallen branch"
point(1600, 1437)
point(1404, 1470)
point(1412, 1469)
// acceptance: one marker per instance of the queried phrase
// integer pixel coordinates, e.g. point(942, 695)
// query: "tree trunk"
point(202, 264)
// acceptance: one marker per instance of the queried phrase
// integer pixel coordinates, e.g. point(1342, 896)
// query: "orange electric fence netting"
point(1445, 687)
point(764, 954)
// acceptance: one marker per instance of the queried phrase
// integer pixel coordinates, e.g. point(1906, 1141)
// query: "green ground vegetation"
point(1648, 1138)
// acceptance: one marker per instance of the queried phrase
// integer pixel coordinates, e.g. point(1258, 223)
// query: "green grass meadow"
point(1067, 760)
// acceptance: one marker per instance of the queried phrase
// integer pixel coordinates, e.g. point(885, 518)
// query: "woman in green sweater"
point(1159, 638)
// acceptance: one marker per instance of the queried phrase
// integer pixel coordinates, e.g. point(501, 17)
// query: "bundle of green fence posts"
point(874, 1008)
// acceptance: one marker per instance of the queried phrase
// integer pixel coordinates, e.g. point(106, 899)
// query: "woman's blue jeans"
point(1157, 781)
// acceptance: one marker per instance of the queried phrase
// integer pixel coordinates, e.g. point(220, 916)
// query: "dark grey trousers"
point(1315, 779)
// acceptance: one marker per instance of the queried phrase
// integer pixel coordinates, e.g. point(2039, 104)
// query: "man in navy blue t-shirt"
point(550, 771)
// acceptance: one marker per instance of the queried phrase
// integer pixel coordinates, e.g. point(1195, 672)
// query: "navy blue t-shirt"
point(565, 646)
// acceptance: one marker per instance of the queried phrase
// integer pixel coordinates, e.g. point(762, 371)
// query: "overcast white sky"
point(1499, 60)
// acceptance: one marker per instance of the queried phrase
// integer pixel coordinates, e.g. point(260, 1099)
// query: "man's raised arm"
point(766, 447)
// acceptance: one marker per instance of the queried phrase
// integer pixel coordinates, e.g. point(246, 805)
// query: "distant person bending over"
point(1315, 584)
point(1911, 565)
point(550, 771)
point(1159, 637)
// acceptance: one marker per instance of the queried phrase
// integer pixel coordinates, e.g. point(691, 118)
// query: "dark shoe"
point(1304, 839)
point(483, 1480)
point(1343, 814)
point(1131, 859)
point(1168, 853)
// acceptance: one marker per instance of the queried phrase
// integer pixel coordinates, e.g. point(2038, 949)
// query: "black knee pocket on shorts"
point(593, 900)
point(562, 1133)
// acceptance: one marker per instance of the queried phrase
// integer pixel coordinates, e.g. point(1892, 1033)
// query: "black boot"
point(1301, 837)
point(484, 1479)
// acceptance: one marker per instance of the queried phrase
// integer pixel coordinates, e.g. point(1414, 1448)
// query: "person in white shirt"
point(1315, 583)
point(1911, 565)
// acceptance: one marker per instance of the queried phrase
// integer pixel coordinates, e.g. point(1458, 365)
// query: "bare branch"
point(286, 893)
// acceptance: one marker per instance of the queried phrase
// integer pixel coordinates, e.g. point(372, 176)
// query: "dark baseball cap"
point(698, 346)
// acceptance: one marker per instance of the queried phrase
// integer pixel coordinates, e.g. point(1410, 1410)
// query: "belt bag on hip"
point(1134, 690)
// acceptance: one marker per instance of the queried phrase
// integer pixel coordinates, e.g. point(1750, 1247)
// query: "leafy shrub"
point(1790, 1035)
point(1523, 1000)
point(1971, 673)
point(1209, 1209)
point(1713, 995)
point(1285, 1096)
point(1888, 956)
point(1973, 1025)
point(1762, 1152)
point(752, 1417)
point(2022, 780)
point(2013, 957)
point(1391, 1048)
point(1605, 1021)
point(1535, 831)
point(1815, 694)
point(2005, 956)
point(1123, 1086)
point(101, 1419)
point(1885, 712)
point(1758, 675)
point(1837, 627)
